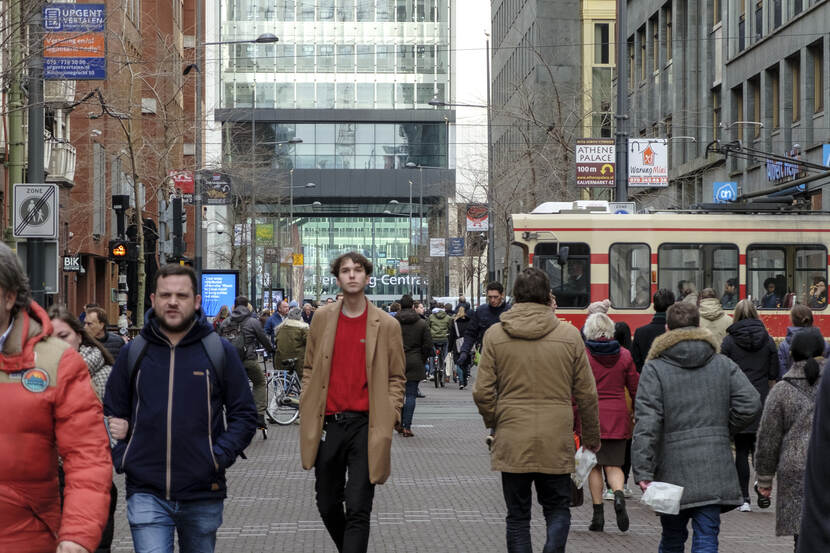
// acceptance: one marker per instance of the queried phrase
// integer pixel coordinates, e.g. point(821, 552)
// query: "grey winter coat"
point(689, 400)
point(783, 439)
point(251, 331)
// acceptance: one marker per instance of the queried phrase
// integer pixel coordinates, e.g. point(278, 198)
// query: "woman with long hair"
point(224, 313)
point(748, 344)
point(456, 337)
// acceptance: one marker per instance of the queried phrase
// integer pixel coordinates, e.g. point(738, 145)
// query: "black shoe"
point(260, 422)
point(619, 509)
point(763, 502)
point(598, 522)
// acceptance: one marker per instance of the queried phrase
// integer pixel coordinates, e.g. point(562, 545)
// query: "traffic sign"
point(298, 260)
point(35, 211)
point(622, 208)
point(724, 192)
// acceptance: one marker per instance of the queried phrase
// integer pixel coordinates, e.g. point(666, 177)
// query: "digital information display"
point(218, 288)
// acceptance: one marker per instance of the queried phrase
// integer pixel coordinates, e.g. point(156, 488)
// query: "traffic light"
point(122, 250)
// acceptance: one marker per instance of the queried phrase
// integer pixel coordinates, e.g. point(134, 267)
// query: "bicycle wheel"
point(285, 403)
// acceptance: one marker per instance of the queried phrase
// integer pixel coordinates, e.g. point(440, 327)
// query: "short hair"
point(770, 280)
point(87, 306)
point(707, 293)
point(495, 286)
point(598, 326)
point(14, 279)
point(732, 282)
point(395, 307)
point(532, 286)
point(801, 315)
point(448, 307)
point(100, 313)
point(295, 313)
point(241, 300)
point(356, 258)
point(745, 310)
point(663, 298)
point(406, 302)
point(681, 315)
point(174, 269)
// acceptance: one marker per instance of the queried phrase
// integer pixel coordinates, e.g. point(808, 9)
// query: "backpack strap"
point(216, 353)
point(135, 351)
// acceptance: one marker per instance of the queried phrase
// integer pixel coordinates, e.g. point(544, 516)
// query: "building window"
point(795, 76)
point(99, 179)
point(755, 87)
point(797, 7)
point(655, 44)
point(775, 95)
point(759, 20)
point(741, 25)
point(715, 12)
point(738, 113)
point(601, 44)
point(668, 34)
point(641, 36)
point(631, 68)
point(776, 14)
point(716, 116)
point(817, 53)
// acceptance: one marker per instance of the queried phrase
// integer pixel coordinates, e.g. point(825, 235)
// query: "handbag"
point(459, 342)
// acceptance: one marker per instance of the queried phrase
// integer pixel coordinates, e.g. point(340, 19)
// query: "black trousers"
point(345, 505)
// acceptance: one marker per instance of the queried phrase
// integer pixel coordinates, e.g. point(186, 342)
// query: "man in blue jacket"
point(483, 318)
point(165, 401)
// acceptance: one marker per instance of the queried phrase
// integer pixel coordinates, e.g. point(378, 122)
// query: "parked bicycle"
point(284, 393)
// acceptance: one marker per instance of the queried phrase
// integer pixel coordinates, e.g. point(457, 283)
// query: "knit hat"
point(599, 307)
point(807, 344)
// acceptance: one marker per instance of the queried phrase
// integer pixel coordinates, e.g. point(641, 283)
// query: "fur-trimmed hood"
point(688, 347)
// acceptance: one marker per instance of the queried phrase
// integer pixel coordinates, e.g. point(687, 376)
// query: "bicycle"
point(437, 365)
point(284, 403)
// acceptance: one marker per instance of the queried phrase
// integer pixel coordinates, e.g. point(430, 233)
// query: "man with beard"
point(176, 447)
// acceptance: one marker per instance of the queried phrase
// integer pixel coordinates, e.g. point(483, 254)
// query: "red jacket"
point(614, 371)
point(48, 408)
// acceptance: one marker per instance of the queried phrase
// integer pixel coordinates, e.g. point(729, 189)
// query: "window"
point(345, 58)
point(345, 10)
point(631, 68)
point(655, 44)
point(406, 58)
point(385, 58)
point(738, 114)
point(326, 10)
point(775, 96)
point(715, 12)
point(755, 88)
point(759, 20)
point(365, 58)
point(778, 276)
point(629, 276)
point(742, 25)
point(99, 179)
point(797, 7)
point(569, 271)
point(641, 36)
point(325, 58)
point(305, 58)
point(817, 53)
point(776, 13)
point(795, 76)
point(668, 33)
point(601, 44)
point(689, 268)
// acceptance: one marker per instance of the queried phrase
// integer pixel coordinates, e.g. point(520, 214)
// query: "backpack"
point(212, 344)
point(232, 332)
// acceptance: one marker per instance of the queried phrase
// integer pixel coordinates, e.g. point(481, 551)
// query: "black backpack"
point(232, 332)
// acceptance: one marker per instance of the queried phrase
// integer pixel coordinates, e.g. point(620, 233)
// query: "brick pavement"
point(441, 497)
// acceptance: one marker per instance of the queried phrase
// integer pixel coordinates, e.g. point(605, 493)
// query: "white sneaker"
point(745, 508)
point(627, 492)
point(608, 495)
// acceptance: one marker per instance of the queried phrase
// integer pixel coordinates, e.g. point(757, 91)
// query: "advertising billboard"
point(595, 162)
point(648, 162)
point(478, 218)
point(218, 287)
point(74, 43)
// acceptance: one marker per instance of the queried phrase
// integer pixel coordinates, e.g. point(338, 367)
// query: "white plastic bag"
point(663, 497)
point(584, 461)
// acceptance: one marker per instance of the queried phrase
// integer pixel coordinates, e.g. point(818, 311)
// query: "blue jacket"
point(272, 323)
point(178, 447)
point(483, 318)
point(784, 359)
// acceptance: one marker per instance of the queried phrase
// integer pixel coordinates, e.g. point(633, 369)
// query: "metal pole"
point(409, 249)
point(421, 231)
point(197, 182)
point(447, 252)
point(621, 175)
point(491, 243)
point(16, 161)
point(291, 239)
point(251, 268)
point(35, 173)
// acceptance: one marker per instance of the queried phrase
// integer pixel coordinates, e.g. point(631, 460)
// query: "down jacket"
point(417, 343)
point(531, 366)
point(439, 326)
point(49, 409)
point(690, 400)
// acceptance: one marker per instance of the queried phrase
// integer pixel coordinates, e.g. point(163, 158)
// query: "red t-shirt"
point(348, 387)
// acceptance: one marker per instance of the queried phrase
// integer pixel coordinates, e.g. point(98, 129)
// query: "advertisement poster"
point(74, 42)
point(216, 188)
point(648, 162)
point(595, 162)
point(218, 288)
point(478, 218)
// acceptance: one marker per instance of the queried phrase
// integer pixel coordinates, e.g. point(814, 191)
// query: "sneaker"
point(745, 508)
point(461, 386)
point(608, 495)
point(627, 492)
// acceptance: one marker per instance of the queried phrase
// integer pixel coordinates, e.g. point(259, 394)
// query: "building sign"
point(648, 162)
point(595, 162)
point(183, 182)
point(216, 188)
point(781, 171)
point(437, 247)
point(375, 280)
point(74, 43)
point(457, 247)
point(724, 192)
point(72, 263)
point(478, 218)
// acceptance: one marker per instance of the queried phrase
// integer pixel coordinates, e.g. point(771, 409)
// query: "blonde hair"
point(745, 310)
point(461, 312)
point(598, 326)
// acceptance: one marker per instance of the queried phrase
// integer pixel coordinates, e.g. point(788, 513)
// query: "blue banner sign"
point(456, 247)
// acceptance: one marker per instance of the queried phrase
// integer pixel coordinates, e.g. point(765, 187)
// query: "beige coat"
point(385, 366)
point(531, 366)
point(714, 319)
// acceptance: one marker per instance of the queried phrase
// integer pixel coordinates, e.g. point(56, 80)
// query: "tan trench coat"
point(531, 366)
point(385, 366)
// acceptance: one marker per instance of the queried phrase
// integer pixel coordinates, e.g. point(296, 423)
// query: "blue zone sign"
point(724, 192)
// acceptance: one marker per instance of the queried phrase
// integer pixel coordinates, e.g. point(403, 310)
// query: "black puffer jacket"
point(461, 325)
point(417, 343)
point(748, 344)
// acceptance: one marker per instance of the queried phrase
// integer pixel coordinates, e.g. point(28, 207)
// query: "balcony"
point(58, 94)
point(61, 163)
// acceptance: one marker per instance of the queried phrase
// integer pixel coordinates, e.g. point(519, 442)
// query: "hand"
point(593, 447)
point(766, 492)
point(70, 547)
point(118, 427)
point(644, 484)
point(463, 359)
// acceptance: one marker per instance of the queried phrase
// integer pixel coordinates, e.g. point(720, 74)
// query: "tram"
point(774, 260)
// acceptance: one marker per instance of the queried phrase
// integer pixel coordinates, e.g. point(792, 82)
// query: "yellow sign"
point(298, 260)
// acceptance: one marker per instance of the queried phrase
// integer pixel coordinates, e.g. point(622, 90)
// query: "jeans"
point(257, 375)
point(462, 375)
point(409, 403)
point(345, 448)
point(152, 521)
point(554, 495)
point(706, 526)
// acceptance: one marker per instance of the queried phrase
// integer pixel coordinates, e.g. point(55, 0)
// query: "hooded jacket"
point(614, 372)
point(714, 318)
point(417, 343)
point(690, 399)
point(290, 338)
point(643, 338)
point(439, 326)
point(531, 366)
point(178, 445)
point(48, 408)
point(750, 346)
point(784, 359)
point(251, 331)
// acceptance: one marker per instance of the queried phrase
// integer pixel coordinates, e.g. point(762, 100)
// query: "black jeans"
point(554, 495)
point(744, 446)
point(345, 447)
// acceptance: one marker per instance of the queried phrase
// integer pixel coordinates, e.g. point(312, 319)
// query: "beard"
point(187, 320)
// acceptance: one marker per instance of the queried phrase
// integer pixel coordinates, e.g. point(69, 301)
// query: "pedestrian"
point(48, 406)
point(291, 339)
point(614, 373)
point(395, 308)
point(689, 400)
point(730, 299)
point(308, 313)
point(96, 324)
point(276, 318)
point(82, 316)
point(180, 373)
point(439, 328)
point(531, 366)
point(690, 294)
point(353, 388)
point(622, 334)
point(784, 434)
point(462, 302)
point(801, 317)
point(482, 319)
point(645, 335)
point(712, 315)
point(244, 324)
point(750, 346)
point(456, 340)
point(224, 313)
point(418, 347)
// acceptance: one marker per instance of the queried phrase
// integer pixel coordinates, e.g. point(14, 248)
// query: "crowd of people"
point(172, 409)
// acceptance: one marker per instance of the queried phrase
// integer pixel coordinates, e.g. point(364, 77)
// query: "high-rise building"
point(333, 125)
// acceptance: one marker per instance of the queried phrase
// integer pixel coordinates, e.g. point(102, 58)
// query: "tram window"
point(688, 268)
point(629, 267)
point(570, 282)
point(781, 275)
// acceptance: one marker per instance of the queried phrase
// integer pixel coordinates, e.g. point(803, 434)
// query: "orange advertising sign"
point(74, 45)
